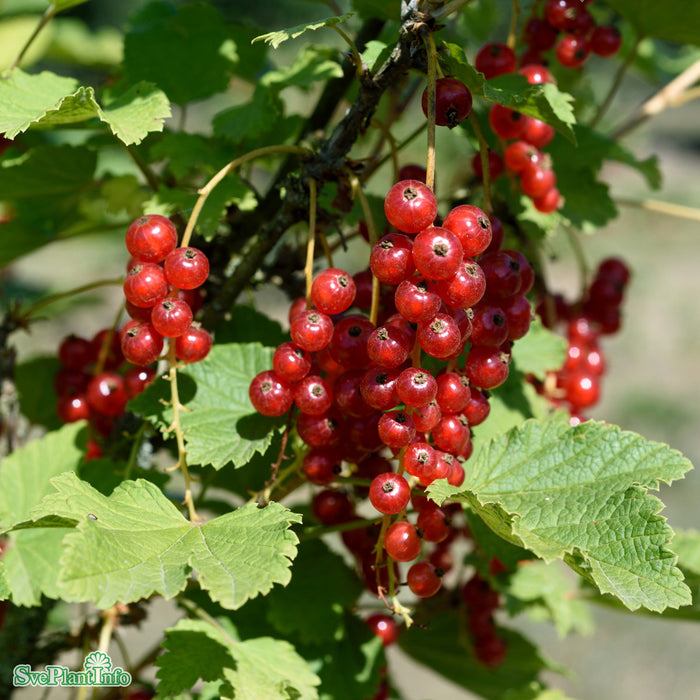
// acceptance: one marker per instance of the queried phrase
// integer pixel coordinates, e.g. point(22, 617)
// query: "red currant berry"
point(605, 41)
point(506, 122)
point(495, 59)
point(312, 395)
point(563, 14)
point(415, 300)
point(502, 274)
point(186, 268)
point(537, 133)
point(378, 388)
point(388, 346)
point(136, 379)
point(440, 337)
point(491, 651)
point(573, 51)
point(495, 163)
point(146, 285)
point(549, 202)
point(171, 317)
point(536, 73)
point(391, 260)
point(426, 417)
point(478, 408)
point(141, 344)
point(396, 429)
point(471, 226)
point(193, 345)
point(411, 206)
point(384, 627)
point(311, 330)
point(333, 291)
point(106, 394)
point(437, 253)
point(73, 408)
point(69, 382)
point(402, 542)
point(75, 353)
point(520, 154)
point(290, 362)
point(150, 238)
point(453, 392)
point(489, 325)
point(536, 181)
point(348, 345)
point(322, 467)
point(348, 397)
point(582, 390)
point(332, 507)
point(453, 102)
point(389, 493)
point(106, 347)
point(518, 313)
point(412, 172)
point(615, 270)
point(433, 523)
point(416, 387)
point(451, 433)
point(486, 367)
point(325, 430)
point(540, 34)
point(465, 288)
point(420, 460)
point(270, 395)
point(424, 579)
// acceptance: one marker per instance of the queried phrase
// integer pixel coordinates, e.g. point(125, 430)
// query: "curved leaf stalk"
point(107, 342)
point(356, 58)
point(513, 30)
point(617, 82)
point(48, 15)
point(484, 153)
point(358, 192)
point(311, 245)
point(176, 427)
point(205, 191)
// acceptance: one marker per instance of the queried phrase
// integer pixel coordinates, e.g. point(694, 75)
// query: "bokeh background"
point(652, 385)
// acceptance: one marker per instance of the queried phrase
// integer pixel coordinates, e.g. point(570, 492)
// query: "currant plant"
point(401, 453)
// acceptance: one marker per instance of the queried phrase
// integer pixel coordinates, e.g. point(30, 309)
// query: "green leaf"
point(251, 669)
point(185, 51)
point(135, 543)
point(247, 325)
point(311, 606)
point(312, 64)
point(441, 646)
point(34, 382)
point(540, 351)
point(31, 561)
point(676, 20)
point(547, 584)
point(384, 9)
point(686, 543)
point(48, 100)
point(61, 5)
point(580, 494)
point(220, 424)
point(545, 101)
point(491, 545)
point(252, 119)
point(274, 39)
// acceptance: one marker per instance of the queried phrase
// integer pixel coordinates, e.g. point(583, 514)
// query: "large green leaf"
point(441, 645)
point(313, 63)
point(185, 51)
point(580, 494)
point(220, 424)
point(676, 20)
point(249, 669)
point(31, 561)
point(48, 99)
point(135, 543)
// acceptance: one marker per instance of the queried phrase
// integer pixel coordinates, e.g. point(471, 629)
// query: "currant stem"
point(311, 245)
point(393, 150)
point(513, 30)
point(107, 342)
point(484, 153)
point(313, 533)
point(356, 58)
point(432, 78)
point(326, 248)
point(373, 238)
point(205, 191)
point(655, 205)
point(617, 81)
point(177, 427)
point(45, 19)
point(65, 295)
point(109, 617)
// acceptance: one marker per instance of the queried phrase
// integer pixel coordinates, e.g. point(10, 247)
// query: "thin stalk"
point(45, 19)
point(107, 342)
point(109, 620)
point(373, 238)
point(432, 78)
point(69, 293)
point(484, 153)
point(205, 191)
point(176, 426)
point(513, 30)
point(617, 82)
point(447, 9)
point(315, 532)
point(679, 210)
point(399, 147)
point(134, 453)
point(393, 150)
point(326, 248)
point(311, 245)
point(148, 174)
point(356, 58)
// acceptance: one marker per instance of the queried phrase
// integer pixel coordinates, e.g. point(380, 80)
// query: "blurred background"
point(653, 377)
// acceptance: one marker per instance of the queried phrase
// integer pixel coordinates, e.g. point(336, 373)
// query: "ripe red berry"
point(536, 181)
point(440, 337)
point(331, 507)
point(424, 579)
point(502, 275)
point(150, 238)
point(416, 301)
point(495, 59)
point(451, 433)
point(325, 430)
point(540, 34)
point(378, 388)
point(573, 51)
point(73, 408)
point(384, 627)
point(389, 493)
point(75, 353)
point(106, 394)
point(465, 288)
point(391, 259)
point(437, 253)
point(453, 392)
point(471, 226)
point(411, 206)
point(136, 379)
point(477, 409)
point(312, 395)
point(518, 314)
point(388, 346)
point(146, 284)
point(348, 345)
point(433, 523)
point(171, 317)
point(489, 325)
point(402, 542)
point(536, 73)
point(141, 344)
point(290, 362)
point(453, 102)
point(416, 387)
point(396, 429)
point(186, 268)
point(311, 330)
point(270, 395)
point(193, 345)
point(537, 133)
point(486, 367)
point(426, 417)
point(322, 467)
point(549, 202)
point(605, 40)
point(563, 14)
point(333, 291)
point(506, 122)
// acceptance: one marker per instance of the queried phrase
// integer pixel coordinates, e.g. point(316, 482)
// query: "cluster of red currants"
point(577, 383)
point(481, 602)
point(161, 291)
point(362, 389)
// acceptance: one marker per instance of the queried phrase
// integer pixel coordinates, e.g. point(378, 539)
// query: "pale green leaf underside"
point(135, 543)
point(47, 99)
point(251, 669)
point(274, 39)
point(541, 350)
point(580, 494)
